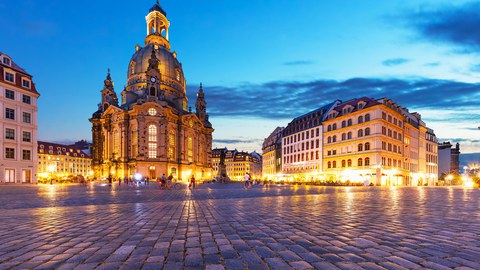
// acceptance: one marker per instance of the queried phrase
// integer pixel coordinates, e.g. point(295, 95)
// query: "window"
point(343, 163)
point(329, 164)
point(334, 127)
point(152, 150)
point(344, 124)
point(344, 136)
point(359, 162)
point(10, 134)
point(334, 164)
point(349, 163)
point(10, 113)
point(384, 116)
point(26, 155)
point(349, 135)
point(329, 139)
point(367, 131)
point(10, 153)
point(384, 130)
point(26, 99)
point(360, 147)
point(9, 94)
point(367, 146)
point(360, 119)
point(9, 77)
point(360, 133)
point(349, 122)
point(27, 117)
point(367, 117)
point(26, 84)
point(367, 161)
point(329, 128)
point(6, 61)
point(334, 139)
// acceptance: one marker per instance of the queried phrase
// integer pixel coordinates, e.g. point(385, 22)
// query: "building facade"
point(62, 162)
point(18, 123)
point(238, 163)
point(151, 131)
point(302, 145)
point(448, 158)
point(272, 154)
point(379, 142)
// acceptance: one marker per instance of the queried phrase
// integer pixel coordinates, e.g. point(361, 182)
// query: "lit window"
point(152, 150)
point(152, 111)
point(152, 133)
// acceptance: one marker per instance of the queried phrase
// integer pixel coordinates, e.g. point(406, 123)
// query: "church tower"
point(151, 132)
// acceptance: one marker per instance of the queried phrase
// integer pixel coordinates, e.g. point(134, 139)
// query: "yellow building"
point(152, 131)
point(376, 141)
point(272, 155)
point(62, 162)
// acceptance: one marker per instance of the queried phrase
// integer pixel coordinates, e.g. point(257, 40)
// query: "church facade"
point(151, 131)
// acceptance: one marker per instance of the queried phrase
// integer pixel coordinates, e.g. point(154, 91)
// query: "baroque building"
point(18, 124)
point(151, 131)
point(238, 163)
point(272, 154)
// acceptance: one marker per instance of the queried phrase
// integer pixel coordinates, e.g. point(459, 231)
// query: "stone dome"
point(169, 67)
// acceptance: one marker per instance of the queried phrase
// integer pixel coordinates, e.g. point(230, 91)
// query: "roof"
point(18, 78)
point(158, 8)
point(61, 149)
point(311, 119)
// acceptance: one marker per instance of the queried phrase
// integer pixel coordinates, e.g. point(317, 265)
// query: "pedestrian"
point(148, 181)
point(192, 182)
point(163, 181)
point(119, 181)
point(169, 181)
point(110, 180)
point(247, 181)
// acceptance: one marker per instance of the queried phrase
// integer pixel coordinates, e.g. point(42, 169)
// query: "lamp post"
point(50, 169)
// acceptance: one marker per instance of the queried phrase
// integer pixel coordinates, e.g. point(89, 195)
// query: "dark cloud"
point(298, 63)
point(395, 62)
point(450, 24)
point(288, 99)
point(458, 140)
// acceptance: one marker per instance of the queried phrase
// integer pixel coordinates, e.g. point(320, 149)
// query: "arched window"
point(349, 135)
point(344, 136)
point(349, 163)
point(329, 139)
point(360, 119)
point(344, 124)
point(367, 131)
point(360, 133)
point(152, 91)
point(367, 146)
point(334, 164)
point(334, 138)
point(329, 128)
point(329, 164)
point(367, 161)
point(349, 123)
point(343, 163)
point(360, 147)
point(384, 130)
point(360, 162)
point(367, 117)
point(334, 127)
point(152, 141)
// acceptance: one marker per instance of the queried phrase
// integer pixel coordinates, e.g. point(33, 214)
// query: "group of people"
point(167, 182)
point(248, 181)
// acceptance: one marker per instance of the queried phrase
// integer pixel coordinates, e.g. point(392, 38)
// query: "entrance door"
point(9, 175)
point(152, 173)
point(26, 176)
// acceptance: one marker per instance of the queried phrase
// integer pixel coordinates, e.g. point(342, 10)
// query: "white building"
point(18, 124)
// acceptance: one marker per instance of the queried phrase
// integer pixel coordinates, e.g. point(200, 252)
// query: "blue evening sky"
point(262, 62)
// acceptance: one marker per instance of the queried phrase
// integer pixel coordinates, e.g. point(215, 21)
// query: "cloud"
point(395, 62)
point(289, 99)
point(449, 24)
point(433, 64)
point(298, 63)
point(234, 141)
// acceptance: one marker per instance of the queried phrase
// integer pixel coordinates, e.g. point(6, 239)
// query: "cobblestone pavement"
point(225, 227)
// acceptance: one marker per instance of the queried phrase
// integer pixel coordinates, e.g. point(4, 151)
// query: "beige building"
point(376, 141)
point(238, 163)
point(62, 162)
point(152, 131)
point(18, 124)
point(272, 154)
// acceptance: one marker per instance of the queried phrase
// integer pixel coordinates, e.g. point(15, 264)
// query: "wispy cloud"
point(298, 63)
point(449, 24)
point(288, 99)
point(432, 64)
point(395, 62)
point(234, 141)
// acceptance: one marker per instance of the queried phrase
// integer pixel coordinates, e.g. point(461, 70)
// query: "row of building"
point(363, 140)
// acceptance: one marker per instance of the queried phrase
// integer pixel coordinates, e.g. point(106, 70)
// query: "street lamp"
point(50, 169)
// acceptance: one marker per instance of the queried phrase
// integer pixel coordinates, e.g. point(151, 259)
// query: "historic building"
point(18, 123)
point(238, 163)
point(379, 142)
point(302, 144)
point(62, 162)
point(272, 154)
point(448, 158)
point(151, 130)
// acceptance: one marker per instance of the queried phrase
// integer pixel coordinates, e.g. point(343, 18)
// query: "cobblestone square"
point(220, 226)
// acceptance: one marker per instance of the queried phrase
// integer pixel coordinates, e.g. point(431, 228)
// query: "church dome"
point(169, 66)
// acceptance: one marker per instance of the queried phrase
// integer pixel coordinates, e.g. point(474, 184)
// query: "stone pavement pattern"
point(226, 227)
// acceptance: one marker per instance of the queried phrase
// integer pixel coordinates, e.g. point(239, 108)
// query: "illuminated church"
point(152, 131)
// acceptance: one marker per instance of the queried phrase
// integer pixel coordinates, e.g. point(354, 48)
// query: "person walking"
point(110, 180)
point(169, 181)
point(247, 181)
point(192, 182)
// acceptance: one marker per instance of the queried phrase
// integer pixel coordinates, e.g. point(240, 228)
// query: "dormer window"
point(361, 105)
point(7, 61)
point(26, 83)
